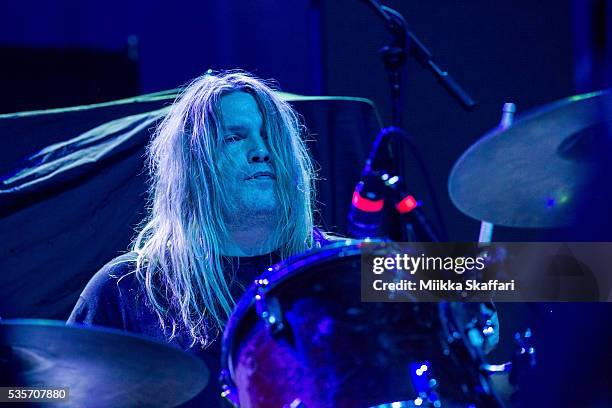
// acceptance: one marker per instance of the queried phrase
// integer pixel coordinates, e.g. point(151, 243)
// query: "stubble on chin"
point(252, 211)
point(253, 231)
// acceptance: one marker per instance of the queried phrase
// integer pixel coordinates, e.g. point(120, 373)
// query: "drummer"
point(231, 193)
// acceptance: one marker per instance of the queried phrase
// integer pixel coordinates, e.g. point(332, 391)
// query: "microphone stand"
point(414, 224)
point(394, 55)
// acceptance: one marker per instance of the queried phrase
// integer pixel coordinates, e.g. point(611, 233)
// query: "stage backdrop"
point(75, 201)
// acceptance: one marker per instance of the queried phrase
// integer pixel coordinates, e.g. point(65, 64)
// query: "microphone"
point(415, 226)
point(365, 218)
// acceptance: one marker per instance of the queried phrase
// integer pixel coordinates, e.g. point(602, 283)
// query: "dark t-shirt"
point(115, 298)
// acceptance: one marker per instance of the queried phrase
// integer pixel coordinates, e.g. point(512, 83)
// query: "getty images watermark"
point(392, 272)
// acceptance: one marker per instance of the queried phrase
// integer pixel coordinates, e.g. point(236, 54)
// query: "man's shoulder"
point(106, 297)
point(117, 275)
point(118, 269)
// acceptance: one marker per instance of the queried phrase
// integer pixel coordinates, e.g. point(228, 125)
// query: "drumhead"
point(274, 276)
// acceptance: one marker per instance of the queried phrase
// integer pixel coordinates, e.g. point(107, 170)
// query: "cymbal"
point(100, 367)
point(532, 174)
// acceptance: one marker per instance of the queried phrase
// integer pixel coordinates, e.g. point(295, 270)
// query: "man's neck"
point(252, 239)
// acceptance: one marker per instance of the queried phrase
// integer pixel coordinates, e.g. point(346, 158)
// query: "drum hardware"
point(515, 372)
point(481, 328)
point(458, 326)
point(486, 228)
point(524, 358)
point(488, 330)
point(270, 312)
point(424, 384)
point(416, 403)
point(296, 403)
point(228, 392)
point(491, 369)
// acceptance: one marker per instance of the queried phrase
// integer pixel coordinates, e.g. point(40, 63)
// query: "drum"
point(302, 337)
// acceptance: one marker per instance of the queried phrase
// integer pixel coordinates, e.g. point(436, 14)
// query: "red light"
point(366, 205)
point(407, 204)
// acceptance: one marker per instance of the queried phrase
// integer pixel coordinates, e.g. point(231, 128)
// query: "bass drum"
point(302, 337)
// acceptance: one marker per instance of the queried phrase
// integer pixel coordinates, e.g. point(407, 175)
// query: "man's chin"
point(262, 210)
point(260, 201)
point(259, 206)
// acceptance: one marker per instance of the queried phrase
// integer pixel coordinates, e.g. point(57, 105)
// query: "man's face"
point(245, 158)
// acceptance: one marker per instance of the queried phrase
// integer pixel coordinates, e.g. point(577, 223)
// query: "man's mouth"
point(262, 175)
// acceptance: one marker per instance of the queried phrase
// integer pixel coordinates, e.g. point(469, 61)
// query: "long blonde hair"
point(179, 262)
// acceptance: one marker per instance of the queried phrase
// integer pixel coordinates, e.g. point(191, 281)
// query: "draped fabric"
point(75, 201)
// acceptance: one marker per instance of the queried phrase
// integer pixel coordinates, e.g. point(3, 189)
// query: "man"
point(231, 193)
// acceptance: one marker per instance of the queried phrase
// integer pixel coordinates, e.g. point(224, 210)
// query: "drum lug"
point(524, 358)
point(270, 311)
point(228, 392)
point(296, 403)
point(493, 369)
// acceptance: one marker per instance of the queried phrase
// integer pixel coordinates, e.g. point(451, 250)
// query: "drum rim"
point(276, 274)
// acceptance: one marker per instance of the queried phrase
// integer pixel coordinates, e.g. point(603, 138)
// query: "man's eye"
point(232, 138)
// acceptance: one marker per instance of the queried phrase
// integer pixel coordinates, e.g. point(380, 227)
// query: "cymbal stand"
point(486, 228)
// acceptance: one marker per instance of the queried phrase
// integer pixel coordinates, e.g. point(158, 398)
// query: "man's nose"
point(259, 153)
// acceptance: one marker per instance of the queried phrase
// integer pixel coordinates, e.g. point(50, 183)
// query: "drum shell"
point(336, 351)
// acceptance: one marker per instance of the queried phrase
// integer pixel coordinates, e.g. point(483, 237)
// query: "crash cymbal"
point(533, 174)
point(100, 367)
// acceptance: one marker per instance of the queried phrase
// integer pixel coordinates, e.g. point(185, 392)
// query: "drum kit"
point(301, 337)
